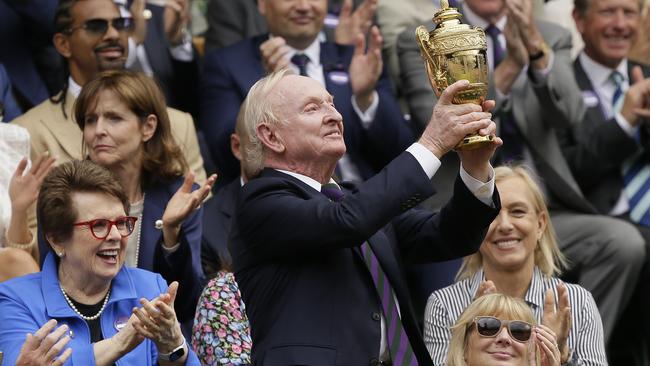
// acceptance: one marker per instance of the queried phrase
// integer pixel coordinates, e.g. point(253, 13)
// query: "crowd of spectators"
point(249, 193)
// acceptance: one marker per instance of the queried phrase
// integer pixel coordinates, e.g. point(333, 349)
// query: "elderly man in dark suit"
point(532, 80)
point(375, 132)
point(320, 268)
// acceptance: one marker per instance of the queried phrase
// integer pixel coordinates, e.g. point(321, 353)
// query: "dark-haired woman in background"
point(126, 129)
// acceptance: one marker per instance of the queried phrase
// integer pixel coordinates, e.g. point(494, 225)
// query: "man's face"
point(490, 10)
point(89, 52)
point(311, 128)
point(297, 21)
point(608, 29)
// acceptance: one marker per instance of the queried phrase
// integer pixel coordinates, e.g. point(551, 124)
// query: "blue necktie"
point(617, 98)
point(398, 343)
point(498, 52)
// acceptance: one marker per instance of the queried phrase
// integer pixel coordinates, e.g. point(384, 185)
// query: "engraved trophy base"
point(474, 141)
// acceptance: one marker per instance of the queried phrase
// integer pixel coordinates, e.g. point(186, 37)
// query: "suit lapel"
point(156, 199)
point(64, 130)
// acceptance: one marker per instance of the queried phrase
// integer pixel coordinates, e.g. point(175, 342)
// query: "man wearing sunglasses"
point(92, 37)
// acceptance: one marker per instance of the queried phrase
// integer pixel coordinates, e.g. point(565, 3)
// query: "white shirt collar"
point(598, 73)
point(73, 87)
point(305, 179)
point(312, 51)
point(475, 20)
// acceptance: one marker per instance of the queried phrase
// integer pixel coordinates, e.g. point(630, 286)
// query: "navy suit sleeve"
point(458, 230)
point(220, 98)
point(184, 266)
point(10, 108)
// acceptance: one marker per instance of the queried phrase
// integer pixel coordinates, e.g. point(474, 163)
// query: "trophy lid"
point(447, 15)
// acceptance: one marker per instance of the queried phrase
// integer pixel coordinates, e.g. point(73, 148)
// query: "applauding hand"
point(45, 345)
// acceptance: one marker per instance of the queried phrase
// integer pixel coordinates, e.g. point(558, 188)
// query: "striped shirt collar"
point(534, 296)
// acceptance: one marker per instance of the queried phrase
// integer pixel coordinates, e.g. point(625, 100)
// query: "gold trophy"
point(455, 51)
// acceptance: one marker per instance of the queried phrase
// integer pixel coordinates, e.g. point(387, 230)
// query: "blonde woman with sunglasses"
point(500, 330)
point(519, 257)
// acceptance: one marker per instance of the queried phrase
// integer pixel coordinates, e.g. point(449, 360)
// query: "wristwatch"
point(543, 50)
point(174, 355)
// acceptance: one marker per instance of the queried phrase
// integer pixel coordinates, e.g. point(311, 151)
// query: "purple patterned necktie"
point(398, 343)
point(498, 52)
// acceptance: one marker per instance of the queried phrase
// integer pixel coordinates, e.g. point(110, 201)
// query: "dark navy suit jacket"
point(231, 71)
point(217, 214)
point(309, 296)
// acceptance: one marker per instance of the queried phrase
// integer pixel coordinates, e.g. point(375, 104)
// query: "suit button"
point(376, 316)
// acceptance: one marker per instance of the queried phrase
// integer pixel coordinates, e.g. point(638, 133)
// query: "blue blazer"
point(309, 296)
point(9, 107)
point(184, 265)
point(230, 72)
point(28, 302)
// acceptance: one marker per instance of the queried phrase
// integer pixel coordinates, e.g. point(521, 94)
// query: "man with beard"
point(92, 37)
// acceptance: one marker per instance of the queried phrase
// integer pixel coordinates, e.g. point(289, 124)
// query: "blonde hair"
point(257, 109)
point(548, 256)
point(498, 305)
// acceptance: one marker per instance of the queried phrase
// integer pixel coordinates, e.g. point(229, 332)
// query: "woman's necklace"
point(137, 245)
point(74, 308)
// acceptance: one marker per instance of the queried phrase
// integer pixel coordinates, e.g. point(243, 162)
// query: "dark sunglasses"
point(101, 227)
point(98, 27)
point(489, 326)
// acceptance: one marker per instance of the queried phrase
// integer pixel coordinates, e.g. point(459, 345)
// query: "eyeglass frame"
point(109, 23)
point(503, 323)
point(111, 223)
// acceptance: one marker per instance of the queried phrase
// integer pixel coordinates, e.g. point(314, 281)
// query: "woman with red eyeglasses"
point(499, 330)
point(85, 307)
point(126, 129)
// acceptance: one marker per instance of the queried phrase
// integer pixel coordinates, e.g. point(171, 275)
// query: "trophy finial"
point(444, 4)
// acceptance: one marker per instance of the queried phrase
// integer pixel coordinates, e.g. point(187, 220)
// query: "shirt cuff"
point(625, 125)
point(428, 161)
point(540, 76)
point(482, 191)
point(369, 115)
point(182, 52)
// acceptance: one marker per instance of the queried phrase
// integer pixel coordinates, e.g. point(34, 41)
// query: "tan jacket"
point(51, 131)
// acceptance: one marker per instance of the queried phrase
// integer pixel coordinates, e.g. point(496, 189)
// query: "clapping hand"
point(157, 320)
point(275, 54)
point(485, 288)
point(181, 205)
point(140, 30)
point(636, 105)
point(45, 345)
point(558, 318)
point(24, 187)
point(365, 68)
point(544, 341)
point(354, 23)
point(176, 17)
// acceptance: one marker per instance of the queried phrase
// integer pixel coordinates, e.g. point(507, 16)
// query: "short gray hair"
point(258, 109)
point(582, 6)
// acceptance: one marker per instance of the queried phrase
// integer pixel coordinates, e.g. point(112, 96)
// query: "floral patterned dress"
point(221, 334)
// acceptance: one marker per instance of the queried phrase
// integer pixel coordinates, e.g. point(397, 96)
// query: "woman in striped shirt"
point(520, 258)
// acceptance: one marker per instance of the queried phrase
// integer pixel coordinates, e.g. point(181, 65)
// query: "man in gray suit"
point(614, 133)
point(536, 96)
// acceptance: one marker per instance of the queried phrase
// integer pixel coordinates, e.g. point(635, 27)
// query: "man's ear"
point(148, 128)
point(270, 138)
point(62, 44)
point(579, 20)
point(235, 146)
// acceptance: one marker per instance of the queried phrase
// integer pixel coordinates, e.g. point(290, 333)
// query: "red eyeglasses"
point(101, 227)
point(489, 326)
